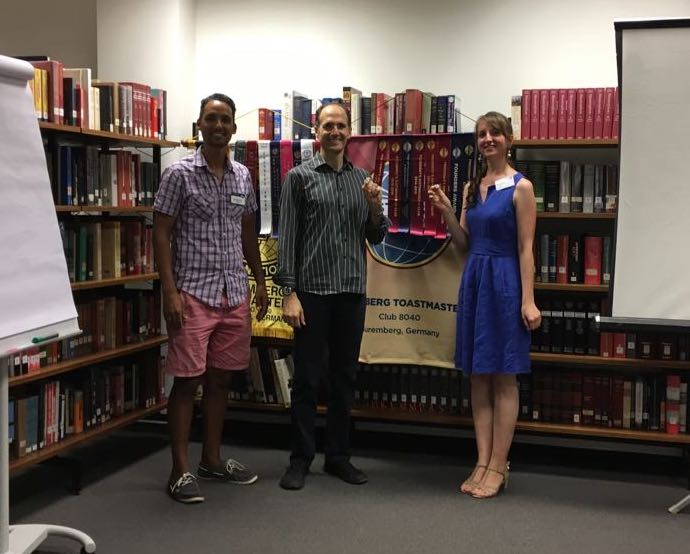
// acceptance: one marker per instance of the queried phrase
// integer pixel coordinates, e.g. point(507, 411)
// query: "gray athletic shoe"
point(233, 472)
point(185, 489)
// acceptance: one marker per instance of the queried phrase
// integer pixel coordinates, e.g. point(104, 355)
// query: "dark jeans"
point(332, 335)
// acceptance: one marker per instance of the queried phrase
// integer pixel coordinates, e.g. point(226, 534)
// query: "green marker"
point(36, 340)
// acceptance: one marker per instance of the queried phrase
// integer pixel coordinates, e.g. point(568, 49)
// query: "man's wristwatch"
point(287, 291)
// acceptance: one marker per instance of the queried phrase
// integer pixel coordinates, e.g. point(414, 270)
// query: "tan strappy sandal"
point(469, 484)
point(491, 492)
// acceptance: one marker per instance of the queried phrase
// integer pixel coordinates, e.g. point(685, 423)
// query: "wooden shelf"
point(610, 363)
point(548, 358)
point(74, 440)
point(119, 138)
point(602, 432)
point(83, 361)
point(551, 143)
point(102, 283)
point(571, 287)
point(576, 215)
point(103, 209)
point(48, 126)
point(449, 420)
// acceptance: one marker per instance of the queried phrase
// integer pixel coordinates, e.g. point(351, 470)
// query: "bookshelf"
point(123, 371)
point(562, 365)
point(80, 438)
point(448, 420)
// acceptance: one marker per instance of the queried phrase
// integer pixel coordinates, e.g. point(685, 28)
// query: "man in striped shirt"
point(203, 229)
point(328, 209)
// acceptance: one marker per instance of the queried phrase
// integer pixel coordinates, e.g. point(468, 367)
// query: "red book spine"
point(553, 114)
point(619, 345)
point(598, 113)
point(593, 249)
point(413, 111)
point(609, 99)
point(589, 113)
point(154, 118)
point(265, 132)
point(615, 124)
point(606, 344)
point(525, 117)
point(543, 114)
point(534, 111)
point(571, 113)
point(580, 108)
point(562, 115)
point(382, 113)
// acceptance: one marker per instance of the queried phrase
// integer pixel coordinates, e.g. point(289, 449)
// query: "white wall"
point(482, 51)
point(64, 30)
point(152, 41)
point(255, 50)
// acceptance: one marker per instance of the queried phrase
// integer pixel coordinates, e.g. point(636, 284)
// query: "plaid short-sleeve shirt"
point(207, 234)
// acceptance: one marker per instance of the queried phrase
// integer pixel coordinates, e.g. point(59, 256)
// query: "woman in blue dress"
point(496, 309)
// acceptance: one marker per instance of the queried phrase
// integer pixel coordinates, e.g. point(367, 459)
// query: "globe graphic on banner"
point(403, 249)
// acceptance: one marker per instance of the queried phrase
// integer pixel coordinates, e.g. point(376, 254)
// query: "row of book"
point(568, 327)
point(107, 248)
point(655, 402)
point(52, 410)
point(407, 166)
point(106, 323)
point(408, 112)
point(86, 176)
point(566, 113)
point(69, 96)
point(568, 187)
point(269, 378)
point(573, 259)
point(644, 402)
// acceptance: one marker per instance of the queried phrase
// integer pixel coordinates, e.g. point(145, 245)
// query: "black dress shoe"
point(293, 479)
point(347, 472)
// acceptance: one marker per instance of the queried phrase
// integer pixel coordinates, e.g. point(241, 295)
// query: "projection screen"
point(652, 254)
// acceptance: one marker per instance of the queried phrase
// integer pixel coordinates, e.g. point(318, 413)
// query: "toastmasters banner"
point(272, 324)
point(414, 274)
point(411, 311)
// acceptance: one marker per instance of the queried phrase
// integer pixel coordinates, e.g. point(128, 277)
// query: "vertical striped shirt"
point(206, 244)
point(324, 222)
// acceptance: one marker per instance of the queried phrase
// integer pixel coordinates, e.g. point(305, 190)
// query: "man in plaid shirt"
point(203, 229)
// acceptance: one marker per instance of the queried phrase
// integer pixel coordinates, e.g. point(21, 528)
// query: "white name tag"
point(237, 199)
point(504, 183)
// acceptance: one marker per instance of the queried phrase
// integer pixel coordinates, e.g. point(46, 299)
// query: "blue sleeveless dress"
point(490, 335)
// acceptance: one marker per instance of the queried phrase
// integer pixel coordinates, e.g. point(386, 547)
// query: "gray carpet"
point(410, 505)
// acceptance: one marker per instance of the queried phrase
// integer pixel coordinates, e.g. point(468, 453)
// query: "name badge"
point(237, 199)
point(504, 183)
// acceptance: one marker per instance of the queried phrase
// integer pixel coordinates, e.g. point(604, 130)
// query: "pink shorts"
point(210, 337)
